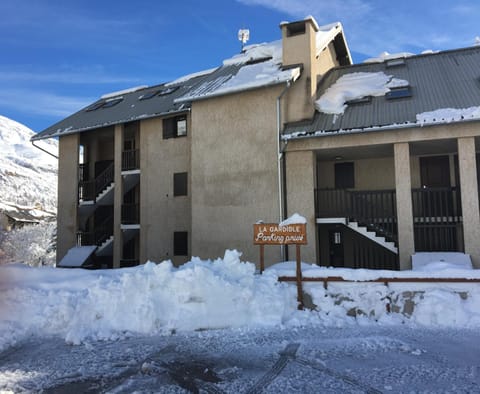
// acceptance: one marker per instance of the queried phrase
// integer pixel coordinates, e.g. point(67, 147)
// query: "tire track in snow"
point(285, 356)
point(344, 378)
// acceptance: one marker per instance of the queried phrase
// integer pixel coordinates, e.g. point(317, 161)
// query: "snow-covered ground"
point(218, 326)
point(28, 176)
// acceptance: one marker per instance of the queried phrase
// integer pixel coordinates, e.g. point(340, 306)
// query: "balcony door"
point(435, 171)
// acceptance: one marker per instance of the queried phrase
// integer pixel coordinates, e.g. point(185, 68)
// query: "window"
point(344, 175)
point(180, 243)
point(105, 104)
point(175, 127)
point(180, 184)
point(400, 92)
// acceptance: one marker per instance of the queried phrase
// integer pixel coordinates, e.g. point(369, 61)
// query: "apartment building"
point(379, 157)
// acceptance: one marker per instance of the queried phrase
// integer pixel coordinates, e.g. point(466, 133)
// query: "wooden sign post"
point(274, 234)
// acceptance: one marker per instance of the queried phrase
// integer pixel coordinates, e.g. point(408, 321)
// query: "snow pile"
point(28, 176)
point(447, 115)
point(439, 261)
point(294, 219)
point(148, 299)
point(355, 86)
point(159, 299)
point(428, 304)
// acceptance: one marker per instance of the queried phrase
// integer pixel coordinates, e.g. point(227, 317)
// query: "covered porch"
point(375, 205)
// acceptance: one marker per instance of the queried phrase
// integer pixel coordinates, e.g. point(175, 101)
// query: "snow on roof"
point(76, 256)
point(355, 86)
point(248, 77)
point(257, 51)
point(187, 77)
point(448, 115)
point(22, 213)
point(124, 91)
point(388, 56)
point(326, 34)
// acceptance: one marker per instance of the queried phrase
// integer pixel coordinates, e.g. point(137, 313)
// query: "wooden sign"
point(290, 234)
point(274, 234)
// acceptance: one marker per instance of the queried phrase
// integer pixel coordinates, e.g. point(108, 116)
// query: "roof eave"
point(38, 137)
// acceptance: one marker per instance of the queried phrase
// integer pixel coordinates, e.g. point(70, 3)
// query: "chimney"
point(299, 46)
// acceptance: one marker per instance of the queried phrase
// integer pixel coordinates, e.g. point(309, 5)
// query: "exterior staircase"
point(372, 235)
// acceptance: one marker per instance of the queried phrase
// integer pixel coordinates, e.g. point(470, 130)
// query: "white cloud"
point(373, 26)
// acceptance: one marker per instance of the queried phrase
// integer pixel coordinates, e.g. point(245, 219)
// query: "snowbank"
point(148, 299)
point(159, 299)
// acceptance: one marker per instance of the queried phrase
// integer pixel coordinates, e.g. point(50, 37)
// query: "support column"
point(469, 192)
point(67, 222)
point(300, 190)
point(403, 191)
point(118, 197)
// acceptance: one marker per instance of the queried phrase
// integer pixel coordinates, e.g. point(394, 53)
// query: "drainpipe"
point(279, 160)
point(46, 151)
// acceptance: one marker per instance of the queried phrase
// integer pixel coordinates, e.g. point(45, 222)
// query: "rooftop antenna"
point(243, 36)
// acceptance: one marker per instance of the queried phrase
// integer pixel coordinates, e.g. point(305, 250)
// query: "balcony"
point(437, 214)
point(130, 160)
point(130, 214)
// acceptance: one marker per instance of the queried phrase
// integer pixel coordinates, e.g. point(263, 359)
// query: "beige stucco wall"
point(234, 172)
point(300, 176)
point(161, 213)
point(67, 193)
point(370, 174)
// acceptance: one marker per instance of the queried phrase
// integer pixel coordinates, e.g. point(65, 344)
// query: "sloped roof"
point(438, 81)
point(257, 66)
point(131, 107)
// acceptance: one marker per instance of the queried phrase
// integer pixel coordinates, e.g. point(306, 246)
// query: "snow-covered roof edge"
point(440, 116)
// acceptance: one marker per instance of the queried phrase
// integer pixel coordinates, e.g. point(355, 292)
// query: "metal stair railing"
point(374, 209)
point(90, 190)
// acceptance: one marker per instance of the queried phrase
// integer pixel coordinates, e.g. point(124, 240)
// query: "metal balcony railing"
point(130, 214)
point(130, 160)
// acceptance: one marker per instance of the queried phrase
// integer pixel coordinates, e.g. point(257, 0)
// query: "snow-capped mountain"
point(28, 176)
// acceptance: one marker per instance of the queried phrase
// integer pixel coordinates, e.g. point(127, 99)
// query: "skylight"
point(158, 92)
point(399, 92)
point(361, 100)
point(104, 104)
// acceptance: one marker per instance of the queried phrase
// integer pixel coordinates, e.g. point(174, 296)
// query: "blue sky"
point(57, 56)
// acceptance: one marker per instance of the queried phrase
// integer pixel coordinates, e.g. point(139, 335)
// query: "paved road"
point(371, 359)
